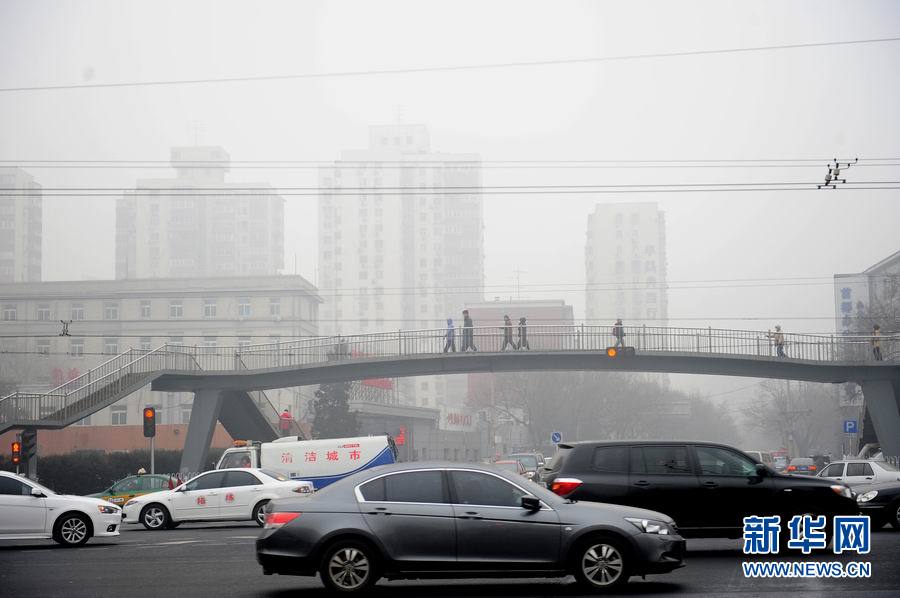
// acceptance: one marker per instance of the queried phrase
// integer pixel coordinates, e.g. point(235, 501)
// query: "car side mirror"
point(37, 492)
point(761, 470)
point(532, 503)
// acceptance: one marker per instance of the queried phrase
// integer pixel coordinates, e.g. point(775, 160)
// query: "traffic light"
point(16, 452)
point(149, 422)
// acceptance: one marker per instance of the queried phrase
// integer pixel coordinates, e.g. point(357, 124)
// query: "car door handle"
point(710, 485)
point(642, 483)
point(380, 511)
point(471, 515)
point(213, 494)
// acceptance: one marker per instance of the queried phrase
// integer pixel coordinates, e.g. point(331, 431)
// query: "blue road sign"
point(556, 437)
point(850, 426)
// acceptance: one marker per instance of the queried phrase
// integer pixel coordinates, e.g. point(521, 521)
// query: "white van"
point(318, 461)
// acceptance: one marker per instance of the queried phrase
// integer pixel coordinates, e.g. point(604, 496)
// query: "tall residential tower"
point(395, 250)
point(20, 226)
point(625, 265)
point(197, 224)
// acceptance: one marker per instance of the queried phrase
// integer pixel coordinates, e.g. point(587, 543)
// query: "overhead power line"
point(406, 190)
point(448, 68)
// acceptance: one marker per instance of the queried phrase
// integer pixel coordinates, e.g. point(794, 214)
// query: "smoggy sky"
point(798, 103)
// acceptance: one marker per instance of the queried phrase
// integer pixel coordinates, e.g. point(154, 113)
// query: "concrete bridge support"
point(883, 402)
point(204, 416)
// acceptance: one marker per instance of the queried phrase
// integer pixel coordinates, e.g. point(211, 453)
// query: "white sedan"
point(31, 511)
point(861, 471)
point(221, 495)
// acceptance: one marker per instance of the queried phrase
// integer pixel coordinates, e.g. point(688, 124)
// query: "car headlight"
point(842, 490)
point(651, 526)
point(131, 502)
point(867, 496)
point(109, 510)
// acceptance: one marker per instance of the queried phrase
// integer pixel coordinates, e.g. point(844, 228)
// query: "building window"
point(77, 312)
point(111, 346)
point(145, 310)
point(76, 349)
point(244, 307)
point(9, 312)
point(243, 342)
point(145, 343)
point(111, 311)
point(118, 415)
point(43, 312)
point(275, 307)
point(176, 310)
point(176, 340)
point(209, 308)
point(42, 345)
point(83, 422)
point(650, 266)
point(185, 414)
point(208, 344)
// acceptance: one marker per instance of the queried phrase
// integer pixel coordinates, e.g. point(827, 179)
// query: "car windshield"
point(529, 461)
point(41, 487)
point(275, 475)
point(508, 466)
point(886, 466)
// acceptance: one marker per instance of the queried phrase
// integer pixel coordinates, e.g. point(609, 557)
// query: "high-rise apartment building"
point(20, 226)
point(396, 251)
point(197, 224)
point(625, 265)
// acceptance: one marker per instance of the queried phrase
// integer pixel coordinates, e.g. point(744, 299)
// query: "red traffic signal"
point(149, 422)
point(16, 452)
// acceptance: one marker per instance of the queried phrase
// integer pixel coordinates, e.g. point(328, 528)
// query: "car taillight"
point(564, 486)
point(791, 468)
point(303, 489)
point(812, 467)
point(276, 520)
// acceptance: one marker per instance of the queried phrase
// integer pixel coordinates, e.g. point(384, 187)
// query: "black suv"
point(706, 488)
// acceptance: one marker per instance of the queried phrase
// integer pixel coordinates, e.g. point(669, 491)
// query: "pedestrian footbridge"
point(229, 382)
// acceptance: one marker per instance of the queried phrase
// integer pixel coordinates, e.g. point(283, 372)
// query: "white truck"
point(318, 461)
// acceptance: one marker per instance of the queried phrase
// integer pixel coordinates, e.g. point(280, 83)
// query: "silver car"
point(443, 520)
point(861, 471)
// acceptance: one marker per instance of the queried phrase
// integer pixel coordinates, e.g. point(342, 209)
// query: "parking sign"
point(556, 437)
point(850, 426)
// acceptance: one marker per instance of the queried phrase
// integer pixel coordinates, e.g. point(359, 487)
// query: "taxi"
point(234, 494)
point(135, 485)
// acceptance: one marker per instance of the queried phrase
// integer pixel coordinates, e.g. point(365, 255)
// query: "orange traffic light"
point(149, 422)
point(16, 452)
point(611, 352)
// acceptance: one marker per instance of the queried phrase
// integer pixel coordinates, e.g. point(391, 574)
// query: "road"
point(217, 560)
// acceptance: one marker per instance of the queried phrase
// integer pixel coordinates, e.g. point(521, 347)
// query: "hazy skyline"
point(797, 103)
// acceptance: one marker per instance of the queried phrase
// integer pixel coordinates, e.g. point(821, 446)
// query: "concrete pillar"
point(883, 402)
point(204, 417)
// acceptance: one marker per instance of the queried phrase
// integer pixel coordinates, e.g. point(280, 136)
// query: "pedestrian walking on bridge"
point(523, 334)
point(468, 333)
point(876, 343)
point(777, 338)
point(508, 334)
point(619, 332)
point(450, 336)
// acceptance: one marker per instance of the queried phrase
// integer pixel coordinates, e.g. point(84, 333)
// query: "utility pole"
point(519, 274)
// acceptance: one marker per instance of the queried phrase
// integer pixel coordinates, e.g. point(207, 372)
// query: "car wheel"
point(155, 517)
point(601, 563)
point(72, 529)
point(259, 513)
point(349, 567)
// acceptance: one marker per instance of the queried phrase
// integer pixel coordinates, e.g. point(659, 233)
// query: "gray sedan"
point(442, 520)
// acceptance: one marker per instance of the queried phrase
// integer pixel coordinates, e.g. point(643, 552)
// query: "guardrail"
point(74, 399)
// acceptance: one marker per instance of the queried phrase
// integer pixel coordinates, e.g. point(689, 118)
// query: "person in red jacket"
point(285, 421)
